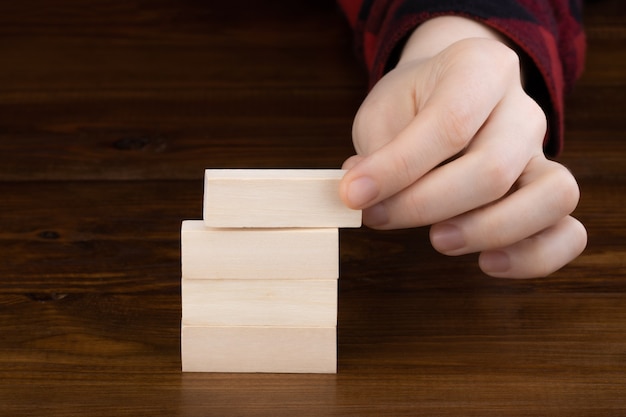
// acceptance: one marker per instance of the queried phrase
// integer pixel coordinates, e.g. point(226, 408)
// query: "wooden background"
point(109, 112)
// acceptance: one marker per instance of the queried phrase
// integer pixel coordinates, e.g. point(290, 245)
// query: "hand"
point(453, 141)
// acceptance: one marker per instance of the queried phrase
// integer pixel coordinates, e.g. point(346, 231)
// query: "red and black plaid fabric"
point(549, 32)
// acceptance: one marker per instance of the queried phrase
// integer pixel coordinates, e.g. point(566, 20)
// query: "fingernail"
point(447, 238)
point(361, 191)
point(376, 215)
point(495, 262)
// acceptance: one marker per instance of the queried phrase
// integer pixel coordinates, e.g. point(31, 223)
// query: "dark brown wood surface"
point(109, 112)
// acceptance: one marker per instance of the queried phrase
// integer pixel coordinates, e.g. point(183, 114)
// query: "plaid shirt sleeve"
point(548, 32)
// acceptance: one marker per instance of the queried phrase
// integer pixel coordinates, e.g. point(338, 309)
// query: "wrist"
point(437, 34)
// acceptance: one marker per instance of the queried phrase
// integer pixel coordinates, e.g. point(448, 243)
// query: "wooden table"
point(109, 112)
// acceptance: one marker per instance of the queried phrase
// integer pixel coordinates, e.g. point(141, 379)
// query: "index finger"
point(419, 148)
point(443, 126)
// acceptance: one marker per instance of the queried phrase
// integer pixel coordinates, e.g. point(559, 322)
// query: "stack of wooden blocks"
point(260, 272)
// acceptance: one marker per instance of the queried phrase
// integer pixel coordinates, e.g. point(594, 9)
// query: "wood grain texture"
point(259, 302)
point(243, 253)
point(109, 115)
point(261, 198)
point(251, 349)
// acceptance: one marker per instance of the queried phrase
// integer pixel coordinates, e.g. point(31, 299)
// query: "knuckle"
point(574, 242)
point(368, 133)
point(404, 168)
point(499, 61)
point(506, 62)
point(495, 235)
point(577, 241)
point(455, 126)
point(361, 130)
point(488, 50)
point(501, 176)
point(567, 193)
point(358, 129)
point(580, 237)
point(508, 58)
point(499, 67)
point(534, 118)
point(417, 210)
point(543, 262)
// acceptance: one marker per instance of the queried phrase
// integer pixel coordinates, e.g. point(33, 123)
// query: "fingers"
point(351, 162)
point(529, 233)
point(388, 108)
point(446, 119)
point(547, 193)
point(485, 172)
point(539, 255)
point(455, 142)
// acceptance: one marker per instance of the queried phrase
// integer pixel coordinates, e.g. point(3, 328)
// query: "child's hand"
point(453, 140)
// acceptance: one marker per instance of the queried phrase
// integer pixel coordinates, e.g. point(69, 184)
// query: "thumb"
point(352, 162)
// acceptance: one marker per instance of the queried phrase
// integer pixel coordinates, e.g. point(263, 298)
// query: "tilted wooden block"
point(208, 253)
point(259, 349)
point(276, 198)
point(260, 302)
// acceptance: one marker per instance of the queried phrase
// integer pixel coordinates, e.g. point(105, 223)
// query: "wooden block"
point(295, 303)
point(276, 198)
point(258, 253)
point(259, 349)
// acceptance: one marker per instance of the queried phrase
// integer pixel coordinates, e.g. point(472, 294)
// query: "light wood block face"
point(295, 303)
point(258, 253)
point(259, 349)
point(276, 198)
